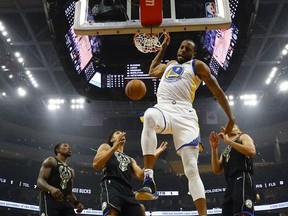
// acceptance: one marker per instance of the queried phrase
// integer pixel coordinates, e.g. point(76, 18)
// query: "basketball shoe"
point(148, 191)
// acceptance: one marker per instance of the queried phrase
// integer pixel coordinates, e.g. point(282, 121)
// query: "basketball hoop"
point(147, 42)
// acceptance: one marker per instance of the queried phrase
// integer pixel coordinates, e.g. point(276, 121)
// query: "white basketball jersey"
point(179, 82)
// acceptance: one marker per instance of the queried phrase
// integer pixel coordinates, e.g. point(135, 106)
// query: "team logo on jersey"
point(174, 73)
point(226, 153)
point(248, 203)
point(123, 161)
point(65, 175)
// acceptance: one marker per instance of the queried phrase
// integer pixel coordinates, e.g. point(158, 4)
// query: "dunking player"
point(55, 181)
point(174, 114)
point(237, 163)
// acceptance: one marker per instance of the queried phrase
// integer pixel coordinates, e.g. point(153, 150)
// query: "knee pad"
point(149, 138)
point(149, 117)
point(190, 159)
point(153, 118)
point(191, 170)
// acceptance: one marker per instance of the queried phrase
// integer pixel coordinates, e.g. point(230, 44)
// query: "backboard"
point(99, 57)
point(217, 17)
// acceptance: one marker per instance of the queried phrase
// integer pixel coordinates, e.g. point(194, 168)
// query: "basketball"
point(135, 89)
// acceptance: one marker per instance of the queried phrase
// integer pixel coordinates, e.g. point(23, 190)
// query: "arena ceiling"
point(26, 22)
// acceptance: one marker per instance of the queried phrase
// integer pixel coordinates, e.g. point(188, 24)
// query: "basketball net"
point(147, 42)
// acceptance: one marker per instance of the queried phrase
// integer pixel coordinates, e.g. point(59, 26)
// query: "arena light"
point(20, 60)
point(249, 99)
point(21, 92)
point(231, 100)
point(2, 28)
point(77, 103)
point(271, 75)
point(285, 50)
point(18, 57)
point(55, 103)
point(53, 106)
point(17, 54)
point(31, 78)
point(251, 102)
point(77, 106)
point(268, 81)
point(4, 33)
point(283, 86)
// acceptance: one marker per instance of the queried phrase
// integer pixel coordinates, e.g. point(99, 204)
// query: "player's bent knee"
point(149, 115)
point(152, 116)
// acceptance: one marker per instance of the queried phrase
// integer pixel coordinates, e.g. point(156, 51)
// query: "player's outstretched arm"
point(215, 162)
point(156, 68)
point(138, 173)
point(203, 71)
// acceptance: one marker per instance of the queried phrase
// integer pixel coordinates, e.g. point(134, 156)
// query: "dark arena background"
point(52, 92)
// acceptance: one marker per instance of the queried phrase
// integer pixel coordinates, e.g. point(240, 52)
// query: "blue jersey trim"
point(248, 213)
point(194, 143)
point(193, 66)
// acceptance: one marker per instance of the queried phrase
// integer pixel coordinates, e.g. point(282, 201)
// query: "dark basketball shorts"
point(48, 206)
point(239, 196)
point(116, 195)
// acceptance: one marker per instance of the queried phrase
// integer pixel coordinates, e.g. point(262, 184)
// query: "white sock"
point(148, 173)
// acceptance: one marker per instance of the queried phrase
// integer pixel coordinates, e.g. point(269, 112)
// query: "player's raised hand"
point(214, 140)
point(166, 40)
point(121, 139)
point(162, 147)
